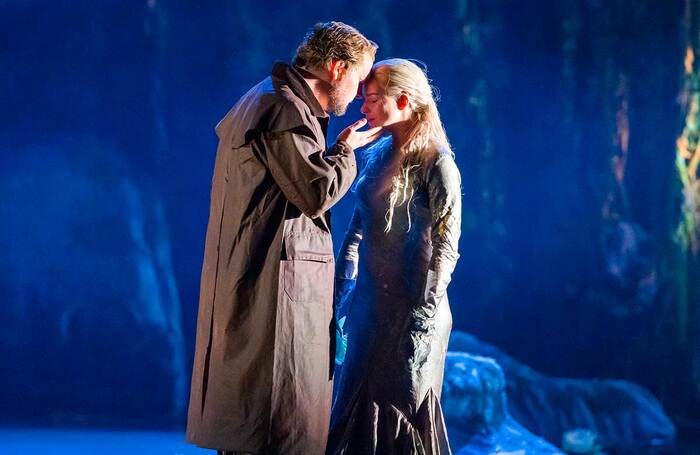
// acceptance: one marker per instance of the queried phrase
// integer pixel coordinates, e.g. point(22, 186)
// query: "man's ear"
point(402, 102)
point(337, 69)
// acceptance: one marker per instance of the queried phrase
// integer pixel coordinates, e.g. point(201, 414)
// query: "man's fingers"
point(376, 135)
point(367, 138)
point(373, 131)
point(372, 138)
point(360, 138)
point(358, 124)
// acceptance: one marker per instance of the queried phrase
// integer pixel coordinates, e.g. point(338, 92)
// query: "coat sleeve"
point(312, 178)
point(445, 198)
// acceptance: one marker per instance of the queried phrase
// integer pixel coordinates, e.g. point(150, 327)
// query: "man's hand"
point(357, 139)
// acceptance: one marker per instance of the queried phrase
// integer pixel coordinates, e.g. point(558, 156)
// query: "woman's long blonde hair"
point(426, 133)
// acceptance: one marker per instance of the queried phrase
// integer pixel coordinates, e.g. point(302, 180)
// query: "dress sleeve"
point(345, 279)
point(311, 177)
point(348, 259)
point(445, 198)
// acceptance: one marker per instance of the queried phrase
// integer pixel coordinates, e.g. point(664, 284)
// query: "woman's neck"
point(399, 134)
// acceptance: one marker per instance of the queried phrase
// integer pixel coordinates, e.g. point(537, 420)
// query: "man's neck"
point(318, 86)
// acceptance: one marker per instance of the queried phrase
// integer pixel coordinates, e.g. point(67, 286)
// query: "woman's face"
point(378, 108)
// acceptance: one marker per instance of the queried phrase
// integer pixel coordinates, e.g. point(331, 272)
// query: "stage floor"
point(71, 441)
point(26, 441)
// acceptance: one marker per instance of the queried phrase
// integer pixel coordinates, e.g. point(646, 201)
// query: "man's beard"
point(335, 95)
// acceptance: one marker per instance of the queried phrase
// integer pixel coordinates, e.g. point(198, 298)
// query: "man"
point(261, 381)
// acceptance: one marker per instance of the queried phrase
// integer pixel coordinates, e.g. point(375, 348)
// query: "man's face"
point(345, 89)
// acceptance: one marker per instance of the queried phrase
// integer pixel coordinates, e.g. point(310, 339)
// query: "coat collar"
point(292, 77)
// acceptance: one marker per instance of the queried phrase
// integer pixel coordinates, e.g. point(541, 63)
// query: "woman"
point(392, 274)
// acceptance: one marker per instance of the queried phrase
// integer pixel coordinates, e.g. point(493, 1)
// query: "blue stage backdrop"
point(572, 123)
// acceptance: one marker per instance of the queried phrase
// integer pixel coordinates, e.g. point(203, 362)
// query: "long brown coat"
point(261, 379)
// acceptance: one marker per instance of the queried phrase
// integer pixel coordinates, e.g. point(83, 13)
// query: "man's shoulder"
point(265, 107)
point(280, 109)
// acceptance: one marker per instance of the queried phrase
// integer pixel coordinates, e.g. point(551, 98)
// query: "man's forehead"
point(366, 66)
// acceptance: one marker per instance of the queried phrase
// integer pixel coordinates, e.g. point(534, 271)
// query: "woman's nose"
point(363, 110)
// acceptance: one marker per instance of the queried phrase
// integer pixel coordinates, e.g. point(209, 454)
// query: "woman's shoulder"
point(441, 164)
point(439, 155)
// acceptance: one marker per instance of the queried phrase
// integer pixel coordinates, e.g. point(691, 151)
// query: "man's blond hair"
point(328, 41)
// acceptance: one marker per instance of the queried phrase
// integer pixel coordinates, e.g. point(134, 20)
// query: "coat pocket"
point(308, 280)
point(308, 298)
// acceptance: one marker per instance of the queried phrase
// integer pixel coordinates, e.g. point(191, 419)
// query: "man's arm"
point(312, 178)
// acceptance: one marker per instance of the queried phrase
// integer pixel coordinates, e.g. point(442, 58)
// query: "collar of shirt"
point(292, 77)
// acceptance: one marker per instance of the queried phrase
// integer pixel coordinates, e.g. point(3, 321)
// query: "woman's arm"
point(345, 278)
point(347, 262)
point(445, 198)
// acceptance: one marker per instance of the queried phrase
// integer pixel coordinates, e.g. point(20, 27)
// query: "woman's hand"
point(357, 139)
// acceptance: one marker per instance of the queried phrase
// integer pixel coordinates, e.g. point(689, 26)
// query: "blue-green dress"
point(392, 293)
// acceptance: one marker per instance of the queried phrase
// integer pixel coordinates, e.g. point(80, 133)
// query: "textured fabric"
point(261, 380)
point(391, 287)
